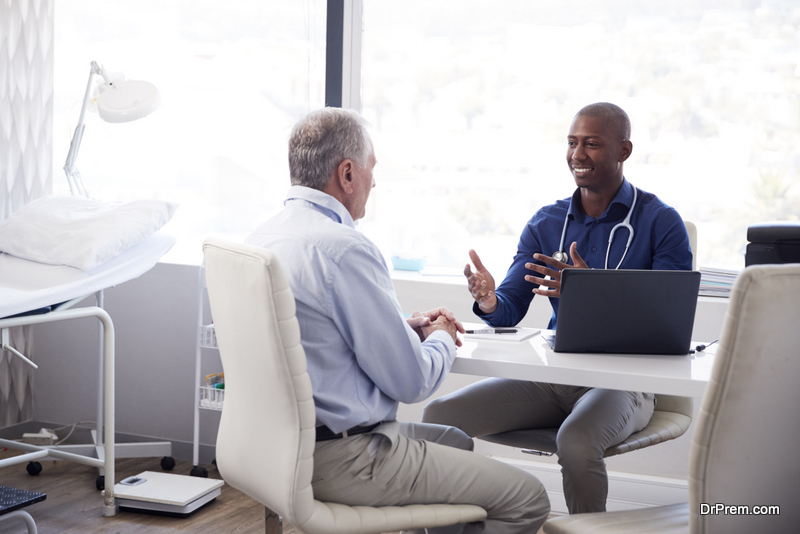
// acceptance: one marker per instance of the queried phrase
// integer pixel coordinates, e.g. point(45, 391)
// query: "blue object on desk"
point(405, 263)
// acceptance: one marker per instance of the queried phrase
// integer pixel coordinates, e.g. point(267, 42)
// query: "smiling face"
point(595, 153)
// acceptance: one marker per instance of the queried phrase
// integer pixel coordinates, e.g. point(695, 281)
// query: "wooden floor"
point(74, 505)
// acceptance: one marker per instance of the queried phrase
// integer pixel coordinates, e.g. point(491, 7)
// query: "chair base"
point(273, 523)
point(663, 426)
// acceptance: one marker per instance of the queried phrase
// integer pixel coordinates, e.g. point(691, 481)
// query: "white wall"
point(155, 319)
point(26, 151)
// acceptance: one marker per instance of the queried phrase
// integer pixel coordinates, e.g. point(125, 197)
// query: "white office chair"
point(744, 448)
point(266, 438)
point(671, 418)
point(691, 229)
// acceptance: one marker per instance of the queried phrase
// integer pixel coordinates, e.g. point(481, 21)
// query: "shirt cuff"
point(486, 317)
point(442, 337)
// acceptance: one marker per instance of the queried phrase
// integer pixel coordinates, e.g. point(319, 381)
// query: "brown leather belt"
point(324, 433)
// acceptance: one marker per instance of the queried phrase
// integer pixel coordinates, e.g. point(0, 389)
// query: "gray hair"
point(323, 139)
point(613, 115)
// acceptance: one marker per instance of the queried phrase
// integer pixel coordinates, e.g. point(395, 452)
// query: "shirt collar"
point(624, 197)
point(322, 202)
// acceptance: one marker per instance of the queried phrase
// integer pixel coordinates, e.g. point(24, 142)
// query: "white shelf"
point(211, 398)
point(208, 337)
point(206, 397)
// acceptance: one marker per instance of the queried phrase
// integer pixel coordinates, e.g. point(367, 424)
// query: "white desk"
point(534, 360)
point(26, 286)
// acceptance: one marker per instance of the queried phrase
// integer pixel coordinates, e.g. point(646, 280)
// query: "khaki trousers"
point(413, 463)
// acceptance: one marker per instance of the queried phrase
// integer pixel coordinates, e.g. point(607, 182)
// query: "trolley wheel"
point(33, 468)
point(167, 463)
point(100, 482)
point(199, 471)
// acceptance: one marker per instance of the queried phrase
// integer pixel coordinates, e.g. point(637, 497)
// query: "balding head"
point(613, 116)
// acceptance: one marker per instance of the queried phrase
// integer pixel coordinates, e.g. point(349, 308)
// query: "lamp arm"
point(73, 175)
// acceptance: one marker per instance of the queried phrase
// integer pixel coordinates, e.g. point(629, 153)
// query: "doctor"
point(608, 224)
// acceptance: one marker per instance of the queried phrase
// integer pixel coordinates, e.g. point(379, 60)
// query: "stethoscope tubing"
point(562, 256)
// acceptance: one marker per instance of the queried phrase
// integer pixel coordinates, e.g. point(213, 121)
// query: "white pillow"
point(80, 232)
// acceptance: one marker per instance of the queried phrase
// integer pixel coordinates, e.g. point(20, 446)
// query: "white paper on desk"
point(521, 335)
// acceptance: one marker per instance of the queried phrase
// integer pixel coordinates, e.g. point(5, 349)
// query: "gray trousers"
point(413, 463)
point(589, 421)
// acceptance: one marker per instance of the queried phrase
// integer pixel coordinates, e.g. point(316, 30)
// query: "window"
point(471, 102)
point(234, 77)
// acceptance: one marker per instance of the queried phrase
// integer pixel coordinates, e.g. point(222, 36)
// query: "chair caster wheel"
point(33, 468)
point(199, 471)
point(100, 482)
point(167, 463)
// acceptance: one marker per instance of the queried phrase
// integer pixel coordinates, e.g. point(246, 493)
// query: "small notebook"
point(521, 334)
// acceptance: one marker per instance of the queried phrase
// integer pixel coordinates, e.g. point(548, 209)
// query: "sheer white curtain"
point(26, 152)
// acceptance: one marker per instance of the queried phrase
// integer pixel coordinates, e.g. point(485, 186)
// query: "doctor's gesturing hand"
point(481, 284)
point(550, 282)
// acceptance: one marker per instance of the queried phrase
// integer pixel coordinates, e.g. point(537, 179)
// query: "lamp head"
point(118, 100)
point(127, 100)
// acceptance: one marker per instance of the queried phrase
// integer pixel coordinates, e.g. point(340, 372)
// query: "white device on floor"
point(165, 493)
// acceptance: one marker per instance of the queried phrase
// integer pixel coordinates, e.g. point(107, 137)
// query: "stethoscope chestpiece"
point(561, 256)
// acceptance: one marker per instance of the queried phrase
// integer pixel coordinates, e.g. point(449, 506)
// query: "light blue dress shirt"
point(363, 357)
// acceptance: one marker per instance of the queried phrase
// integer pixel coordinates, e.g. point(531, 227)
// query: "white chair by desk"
point(670, 420)
point(266, 439)
point(744, 448)
point(691, 229)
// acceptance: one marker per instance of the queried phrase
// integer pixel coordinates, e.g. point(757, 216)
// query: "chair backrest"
point(744, 448)
point(266, 438)
point(691, 229)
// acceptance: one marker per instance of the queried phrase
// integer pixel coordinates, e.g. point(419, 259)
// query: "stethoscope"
point(563, 257)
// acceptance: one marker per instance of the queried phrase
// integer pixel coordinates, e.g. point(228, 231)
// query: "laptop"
point(626, 311)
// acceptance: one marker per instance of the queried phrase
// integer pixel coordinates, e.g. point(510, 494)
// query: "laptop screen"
point(626, 311)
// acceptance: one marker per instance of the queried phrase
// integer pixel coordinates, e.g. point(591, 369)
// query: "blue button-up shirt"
point(660, 242)
point(362, 356)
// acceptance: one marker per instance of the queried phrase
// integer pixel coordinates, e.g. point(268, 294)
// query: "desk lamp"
point(117, 101)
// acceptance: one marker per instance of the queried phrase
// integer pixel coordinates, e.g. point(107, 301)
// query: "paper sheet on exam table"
point(28, 285)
